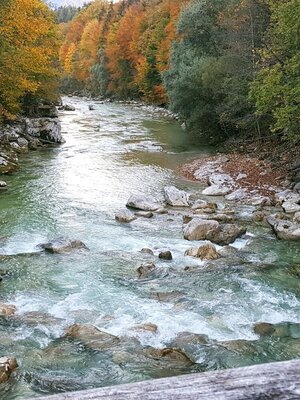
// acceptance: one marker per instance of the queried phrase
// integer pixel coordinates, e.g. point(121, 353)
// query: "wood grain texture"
point(259, 382)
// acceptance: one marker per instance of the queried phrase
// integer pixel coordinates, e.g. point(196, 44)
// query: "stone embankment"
point(24, 134)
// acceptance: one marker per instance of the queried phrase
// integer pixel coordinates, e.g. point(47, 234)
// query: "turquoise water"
point(74, 191)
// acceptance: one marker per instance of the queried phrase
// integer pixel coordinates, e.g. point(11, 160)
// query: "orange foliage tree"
point(28, 50)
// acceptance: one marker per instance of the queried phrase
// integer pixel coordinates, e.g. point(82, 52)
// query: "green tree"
point(276, 89)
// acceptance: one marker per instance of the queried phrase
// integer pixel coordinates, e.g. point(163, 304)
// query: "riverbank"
point(23, 135)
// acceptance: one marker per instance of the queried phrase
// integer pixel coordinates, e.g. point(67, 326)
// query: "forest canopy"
point(225, 66)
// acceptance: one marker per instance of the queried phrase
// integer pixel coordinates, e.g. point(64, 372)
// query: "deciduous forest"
point(224, 66)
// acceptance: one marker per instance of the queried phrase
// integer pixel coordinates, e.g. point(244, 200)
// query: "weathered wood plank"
point(259, 382)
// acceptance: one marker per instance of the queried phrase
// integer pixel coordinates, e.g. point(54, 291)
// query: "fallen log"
point(258, 382)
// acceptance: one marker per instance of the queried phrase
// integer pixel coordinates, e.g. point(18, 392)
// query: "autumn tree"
point(28, 50)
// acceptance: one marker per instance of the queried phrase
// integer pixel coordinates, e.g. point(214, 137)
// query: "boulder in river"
point(7, 366)
point(144, 214)
point(145, 269)
point(169, 355)
point(283, 228)
point(200, 229)
point(207, 251)
point(203, 229)
point(68, 107)
point(7, 310)
point(125, 216)
point(62, 245)
point(144, 203)
point(91, 336)
point(165, 255)
point(175, 197)
point(3, 185)
point(147, 250)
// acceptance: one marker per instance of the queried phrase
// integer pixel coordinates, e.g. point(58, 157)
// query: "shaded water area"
point(74, 191)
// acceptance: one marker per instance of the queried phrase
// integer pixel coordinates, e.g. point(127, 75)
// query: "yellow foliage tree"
point(28, 50)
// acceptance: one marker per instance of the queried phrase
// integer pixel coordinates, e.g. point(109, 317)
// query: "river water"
point(74, 191)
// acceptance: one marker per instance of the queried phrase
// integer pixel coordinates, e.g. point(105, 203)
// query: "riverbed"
point(74, 191)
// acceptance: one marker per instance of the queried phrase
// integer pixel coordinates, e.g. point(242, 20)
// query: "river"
point(74, 191)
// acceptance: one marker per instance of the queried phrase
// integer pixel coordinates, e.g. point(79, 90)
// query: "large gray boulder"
point(175, 197)
point(203, 229)
point(283, 228)
point(140, 202)
point(200, 229)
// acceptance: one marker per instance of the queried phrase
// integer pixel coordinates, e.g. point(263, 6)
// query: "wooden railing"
point(274, 381)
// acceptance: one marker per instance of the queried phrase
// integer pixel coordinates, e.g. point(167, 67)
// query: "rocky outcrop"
point(175, 197)
point(7, 367)
point(140, 202)
point(62, 245)
point(47, 130)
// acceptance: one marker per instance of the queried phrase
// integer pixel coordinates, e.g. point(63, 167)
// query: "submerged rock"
point(125, 216)
point(7, 367)
point(175, 197)
point(144, 214)
point(143, 203)
point(169, 355)
point(62, 245)
point(147, 327)
point(281, 330)
point(37, 318)
point(91, 336)
point(206, 251)
point(184, 339)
